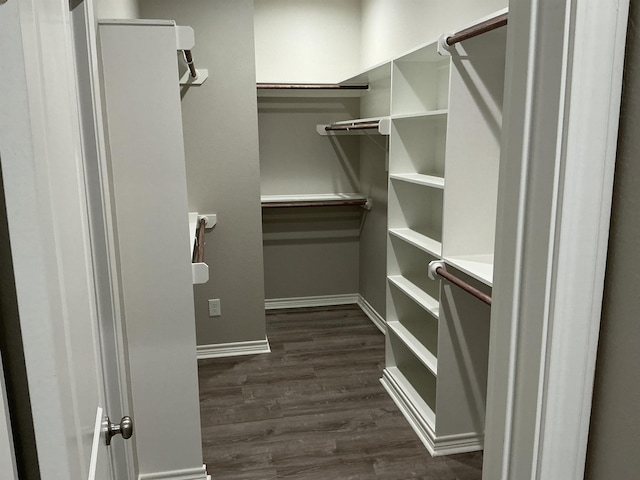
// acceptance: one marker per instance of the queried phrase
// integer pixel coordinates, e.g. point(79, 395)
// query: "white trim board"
point(308, 302)
point(256, 347)
point(377, 319)
point(198, 473)
point(233, 349)
point(562, 99)
point(329, 301)
point(436, 446)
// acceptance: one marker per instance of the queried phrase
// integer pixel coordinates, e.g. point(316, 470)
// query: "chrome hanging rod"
point(437, 268)
point(353, 126)
point(309, 86)
point(479, 29)
point(188, 58)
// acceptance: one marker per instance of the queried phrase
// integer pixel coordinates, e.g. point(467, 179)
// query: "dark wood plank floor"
point(314, 408)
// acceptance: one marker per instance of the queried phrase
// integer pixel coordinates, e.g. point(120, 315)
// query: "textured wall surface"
point(615, 422)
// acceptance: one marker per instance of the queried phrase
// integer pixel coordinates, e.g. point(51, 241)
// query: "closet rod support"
point(438, 268)
point(479, 29)
point(353, 126)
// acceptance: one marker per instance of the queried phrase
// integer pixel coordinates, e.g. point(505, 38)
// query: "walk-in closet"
point(320, 238)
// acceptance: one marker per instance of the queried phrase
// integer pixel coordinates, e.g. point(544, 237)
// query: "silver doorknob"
point(124, 428)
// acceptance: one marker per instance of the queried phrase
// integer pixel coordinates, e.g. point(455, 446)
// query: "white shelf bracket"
point(210, 220)
point(444, 48)
point(433, 266)
point(201, 76)
point(186, 40)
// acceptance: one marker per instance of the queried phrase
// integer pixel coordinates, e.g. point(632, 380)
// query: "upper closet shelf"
point(419, 179)
point(434, 113)
point(316, 200)
point(363, 126)
point(479, 267)
point(310, 89)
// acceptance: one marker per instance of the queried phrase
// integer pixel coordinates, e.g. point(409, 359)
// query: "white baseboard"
point(233, 349)
point(377, 319)
point(437, 446)
point(329, 301)
point(307, 302)
point(198, 473)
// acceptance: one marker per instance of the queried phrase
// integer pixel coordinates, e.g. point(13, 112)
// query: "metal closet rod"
point(198, 254)
point(479, 29)
point(188, 58)
point(353, 126)
point(309, 86)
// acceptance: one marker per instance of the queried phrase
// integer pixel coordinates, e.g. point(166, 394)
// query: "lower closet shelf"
point(418, 295)
point(409, 401)
point(424, 243)
point(479, 267)
point(315, 200)
point(427, 358)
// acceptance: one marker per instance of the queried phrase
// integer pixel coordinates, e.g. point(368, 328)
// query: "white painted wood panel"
point(150, 214)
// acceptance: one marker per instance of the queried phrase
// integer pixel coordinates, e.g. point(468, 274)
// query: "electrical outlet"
point(214, 307)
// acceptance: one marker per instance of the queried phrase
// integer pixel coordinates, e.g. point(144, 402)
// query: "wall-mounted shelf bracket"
point(210, 219)
point(381, 126)
point(201, 76)
point(185, 41)
point(199, 269)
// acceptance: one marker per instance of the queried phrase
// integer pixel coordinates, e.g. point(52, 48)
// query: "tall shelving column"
point(470, 201)
point(419, 111)
point(446, 115)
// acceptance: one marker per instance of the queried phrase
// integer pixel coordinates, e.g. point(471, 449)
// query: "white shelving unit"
point(444, 150)
point(439, 114)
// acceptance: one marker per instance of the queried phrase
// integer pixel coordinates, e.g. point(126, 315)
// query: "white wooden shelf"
point(419, 179)
point(315, 199)
point(415, 293)
point(422, 353)
point(433, 113)
point(410, 401)
point(479, 267)
point(291, 90)
point(424, 243)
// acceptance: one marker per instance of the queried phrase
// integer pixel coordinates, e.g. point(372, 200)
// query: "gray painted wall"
point(373, 239)
point(615, 423)
point(116, 8)
point(309, 251)
point(223, 175)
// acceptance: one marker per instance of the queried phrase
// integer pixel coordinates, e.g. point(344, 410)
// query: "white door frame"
point(555, 195)
point(42, 166)
point(562, 100)
point(111, 326)
point(7, 452)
